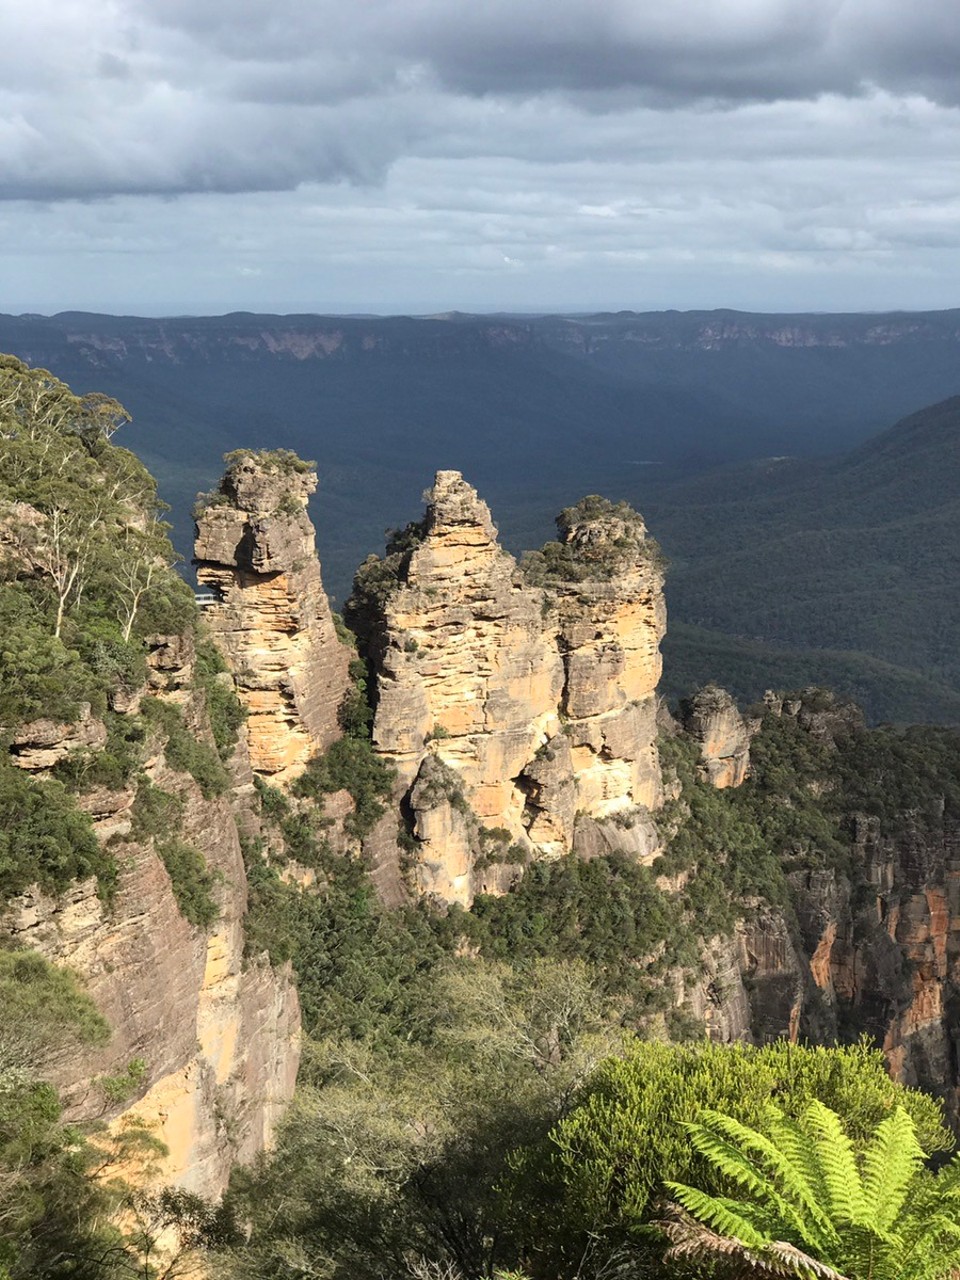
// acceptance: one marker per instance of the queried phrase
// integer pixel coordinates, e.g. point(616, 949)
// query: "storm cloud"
point(410, 141)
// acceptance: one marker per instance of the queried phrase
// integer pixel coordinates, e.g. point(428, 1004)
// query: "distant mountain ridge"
point(307, 335)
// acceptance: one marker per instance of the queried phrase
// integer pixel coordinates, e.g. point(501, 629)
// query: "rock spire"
point(256, 554)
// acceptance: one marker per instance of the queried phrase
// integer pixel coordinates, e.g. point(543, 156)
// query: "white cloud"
point(218, 153)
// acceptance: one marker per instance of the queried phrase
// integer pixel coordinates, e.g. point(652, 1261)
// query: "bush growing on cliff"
point(225, 711)
point(51, 1212)
point(350, 764)
point(45, 1012)
point(571, 560)
point(378, 578)
point(282, 461)
point(185, 752)
point(112, 766)
point(741, 842)
point(607, 912)
point(191, 880)
point(45, 839)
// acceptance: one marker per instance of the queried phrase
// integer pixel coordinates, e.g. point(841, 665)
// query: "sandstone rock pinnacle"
point(712, 718)
point(256, 553)
point(533, 685)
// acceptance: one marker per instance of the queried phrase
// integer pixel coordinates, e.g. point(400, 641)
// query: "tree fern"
point(770, 1176)
point(890, 1164)
point(834, 1153)
point(809, 1206)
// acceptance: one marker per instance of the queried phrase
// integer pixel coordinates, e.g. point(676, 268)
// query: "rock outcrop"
point(713, 719)
point(532, 685)
point(612, 618)
point(256, 555)
point(468, 663)
point(886, 960)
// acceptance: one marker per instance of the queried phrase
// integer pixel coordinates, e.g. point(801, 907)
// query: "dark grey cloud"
point(265, 154)
point(732, 50)
point(172, 96)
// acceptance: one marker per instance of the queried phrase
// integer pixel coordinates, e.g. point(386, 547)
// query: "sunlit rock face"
point(712, 718)
point(533, 684)
point(612, 618)
point(256, 554)
point(217, 1033)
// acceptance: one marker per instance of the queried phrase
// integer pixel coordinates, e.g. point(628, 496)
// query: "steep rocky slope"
point(216, 1034)
point(516, 706)
point(781, 873)
point(854, 930)
point(124, 774)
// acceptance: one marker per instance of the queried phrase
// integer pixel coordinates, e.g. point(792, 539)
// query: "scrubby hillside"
point(129, 1010)
point(842, 570)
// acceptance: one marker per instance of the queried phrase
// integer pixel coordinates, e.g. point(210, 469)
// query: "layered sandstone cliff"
point(256, 555)
point(612, 618)
point(533, 688)
point(867, 946)
point(214, 1037)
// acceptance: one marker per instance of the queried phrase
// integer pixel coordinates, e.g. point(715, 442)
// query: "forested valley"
point(686, 1006)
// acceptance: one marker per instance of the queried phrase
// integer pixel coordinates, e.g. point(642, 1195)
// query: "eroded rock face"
point(219, 1036)
point(713, 719)
point(41, 744)
point(469, 669)
point(535, 687)
point(612, 619)
point(255, 552)
point(889, 963)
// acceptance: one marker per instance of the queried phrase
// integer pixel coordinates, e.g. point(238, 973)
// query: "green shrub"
point(284, 461)
point(40, 677)
point(274, 804)
point(191, 880)
point(224, 709)
point(184, 752)
point(44, 1010)
point(351, 765)
point(607, 912)
point(155, 811)
point(126, 1084)
point(45, 839)
point(114, 765)
point(597, 1174)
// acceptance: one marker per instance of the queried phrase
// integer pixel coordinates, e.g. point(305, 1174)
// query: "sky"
point(164, 157)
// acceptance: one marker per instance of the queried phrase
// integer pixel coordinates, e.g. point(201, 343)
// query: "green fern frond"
point(691, 1241)
point(890, 1163)
point(948, 1179)
point(783, 1185)
point(716, 1213)
point(709, 1139)
point(834, 1150)
point(796, 1147)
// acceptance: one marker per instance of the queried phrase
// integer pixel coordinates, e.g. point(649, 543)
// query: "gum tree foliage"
point(392, 1156)
point(48, 1205)
point(85, 495)
point(84, 553)
point(68, 1209)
